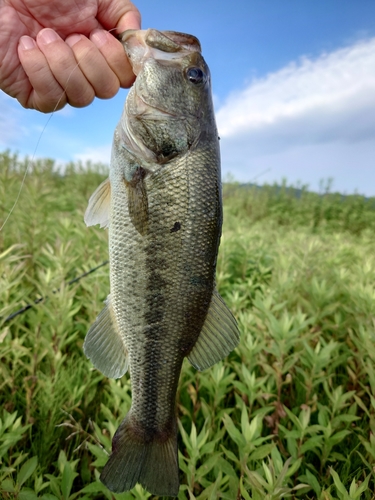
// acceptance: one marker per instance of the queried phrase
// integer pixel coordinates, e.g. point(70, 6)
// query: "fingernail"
point(73, 39)
point(47, 36)
point(27, 43)
point(99, 37)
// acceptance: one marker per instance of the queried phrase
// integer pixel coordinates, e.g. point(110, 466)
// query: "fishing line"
point(38, 141)
point(30, 162)
point(41, 299)
point(260, 175)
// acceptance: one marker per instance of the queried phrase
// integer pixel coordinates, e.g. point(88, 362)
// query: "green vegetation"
point(289, 414)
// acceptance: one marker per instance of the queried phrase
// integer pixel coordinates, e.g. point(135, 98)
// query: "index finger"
point(116, 17)
point(114, 53)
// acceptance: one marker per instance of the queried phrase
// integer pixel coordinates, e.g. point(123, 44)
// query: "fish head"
point(169, 108)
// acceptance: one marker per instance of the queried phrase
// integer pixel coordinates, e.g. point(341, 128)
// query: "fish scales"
point(163, 206)
point(174, 281)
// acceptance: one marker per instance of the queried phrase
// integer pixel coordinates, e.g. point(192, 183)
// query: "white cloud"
point(311, 112)
point(99, 154)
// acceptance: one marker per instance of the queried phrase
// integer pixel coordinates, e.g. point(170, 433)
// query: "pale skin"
point(54, 52)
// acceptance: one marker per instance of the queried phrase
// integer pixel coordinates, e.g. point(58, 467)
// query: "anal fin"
point(104, 345)
point(219, 335)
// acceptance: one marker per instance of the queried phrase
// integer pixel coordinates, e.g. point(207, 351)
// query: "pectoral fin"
point(98, 208)
point(137, 201)
point(105, 346)
point(219, 335)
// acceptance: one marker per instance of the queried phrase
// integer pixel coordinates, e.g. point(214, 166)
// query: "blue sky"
point(293, 84)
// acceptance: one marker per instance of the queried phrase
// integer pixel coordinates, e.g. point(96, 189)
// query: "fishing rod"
point(37, 301)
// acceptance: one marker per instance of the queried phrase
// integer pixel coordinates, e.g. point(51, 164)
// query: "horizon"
point(294, 93)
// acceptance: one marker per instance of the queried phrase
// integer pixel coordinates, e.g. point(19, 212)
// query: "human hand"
point(54, 52)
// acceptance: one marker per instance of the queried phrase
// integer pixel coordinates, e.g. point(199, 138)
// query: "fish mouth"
point(160, 45)
point(164, 46)
point(165, 41)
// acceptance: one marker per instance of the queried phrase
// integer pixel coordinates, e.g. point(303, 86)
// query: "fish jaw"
point(168, 45)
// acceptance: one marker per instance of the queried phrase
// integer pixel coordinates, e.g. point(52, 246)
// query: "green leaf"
point(96, 487)
point(234, 433)
point(207, 466)
point(68, 476)
point(294, 419)
point(54, 485)
point(230, 455)
point(26, 494)
point(268, 473)
point(339, 486)
point(294, 467)
point(26, 470)
point(363, 487)
point(244, 492)
point(262, 452)
point(7, 485)
point(224, 466)
point(311, 444)
point(99, 453)
point(312, 481)
point(339, 436)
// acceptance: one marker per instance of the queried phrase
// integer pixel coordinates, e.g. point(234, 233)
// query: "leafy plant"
point(289, 414)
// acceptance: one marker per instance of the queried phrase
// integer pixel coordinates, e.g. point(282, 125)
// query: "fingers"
point(75, 70)
point(93, 65)
point(45, 94)
point(53, 72)
point(114, 53)
point(64, 68)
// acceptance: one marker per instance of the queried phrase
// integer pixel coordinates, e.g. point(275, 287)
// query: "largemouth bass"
point(162, 204)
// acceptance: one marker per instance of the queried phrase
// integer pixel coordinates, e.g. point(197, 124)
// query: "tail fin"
point(151, 462)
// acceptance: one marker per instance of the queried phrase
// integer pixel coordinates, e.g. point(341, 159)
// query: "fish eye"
point(195, 75)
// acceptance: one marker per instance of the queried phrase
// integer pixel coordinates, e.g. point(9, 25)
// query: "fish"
point(162, 205)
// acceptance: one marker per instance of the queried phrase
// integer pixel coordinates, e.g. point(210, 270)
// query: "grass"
point(289, 414)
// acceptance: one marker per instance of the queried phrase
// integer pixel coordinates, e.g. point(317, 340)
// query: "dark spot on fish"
point(175, 228)
point(157, 264)
point(187, 269)
point(218, 138)
point(199, 281)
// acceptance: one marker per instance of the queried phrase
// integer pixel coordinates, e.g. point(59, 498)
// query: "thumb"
point(119, 14)
point(129, 21)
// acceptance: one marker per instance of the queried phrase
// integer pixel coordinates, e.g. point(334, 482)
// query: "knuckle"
point(109, 89)
point(83, 98)
point(48, 104)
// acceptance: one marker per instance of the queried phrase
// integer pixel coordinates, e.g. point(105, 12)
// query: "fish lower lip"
point(125, 35)
point(158, 111)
